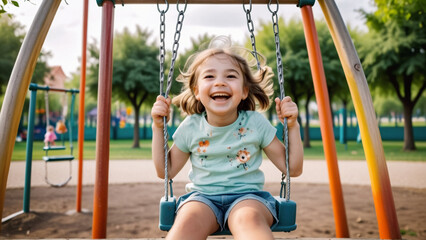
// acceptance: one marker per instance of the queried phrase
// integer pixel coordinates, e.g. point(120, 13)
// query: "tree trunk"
point(306, 138)
point(409, 144)
point(136, 129)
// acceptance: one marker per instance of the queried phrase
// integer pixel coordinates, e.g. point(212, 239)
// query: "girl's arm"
point(176, 158)
point(276, 150)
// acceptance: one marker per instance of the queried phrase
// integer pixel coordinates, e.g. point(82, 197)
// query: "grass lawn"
point(121, 149)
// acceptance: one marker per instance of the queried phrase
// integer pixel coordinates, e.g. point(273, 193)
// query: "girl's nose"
point(219, 82)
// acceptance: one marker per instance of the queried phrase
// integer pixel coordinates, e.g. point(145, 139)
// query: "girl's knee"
point(194, 218)
point(250, 213)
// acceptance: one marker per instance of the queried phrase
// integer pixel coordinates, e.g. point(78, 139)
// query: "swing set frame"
point(371, 140)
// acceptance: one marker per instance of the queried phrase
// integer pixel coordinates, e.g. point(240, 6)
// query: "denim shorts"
point(222, 204)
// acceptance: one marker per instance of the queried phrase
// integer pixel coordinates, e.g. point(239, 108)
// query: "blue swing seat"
point(286, 213)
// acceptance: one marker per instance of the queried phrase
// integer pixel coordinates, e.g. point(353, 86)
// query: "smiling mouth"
point(220, 96)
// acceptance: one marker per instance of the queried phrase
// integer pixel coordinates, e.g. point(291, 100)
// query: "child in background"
point(223, 136)
point(60, 127)
point(49, 137)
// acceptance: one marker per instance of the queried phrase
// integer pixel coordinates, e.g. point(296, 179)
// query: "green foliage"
point(41, 68)
point(135, 71)
point(386, 106)
point(395, 57)
point(11, 37)
point(135, 66)
point(4, 3)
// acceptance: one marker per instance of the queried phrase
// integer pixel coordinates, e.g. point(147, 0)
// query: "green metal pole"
point(71, 119)
point(29, 149)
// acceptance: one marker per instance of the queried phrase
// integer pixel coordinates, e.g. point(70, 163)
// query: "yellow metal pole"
point(371, 139)
point(18, 86)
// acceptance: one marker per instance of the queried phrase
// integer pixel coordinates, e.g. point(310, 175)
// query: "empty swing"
point(61, 129)
point(286, 208)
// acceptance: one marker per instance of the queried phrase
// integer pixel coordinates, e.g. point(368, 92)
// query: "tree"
point(11, 37)
point(135, 71)
point(297, 76)
point(395, 57)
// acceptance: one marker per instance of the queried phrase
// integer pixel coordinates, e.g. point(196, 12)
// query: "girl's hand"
point(287, 108)
point(160, 109)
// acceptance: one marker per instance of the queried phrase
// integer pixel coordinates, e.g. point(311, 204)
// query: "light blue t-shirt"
point(225, 159)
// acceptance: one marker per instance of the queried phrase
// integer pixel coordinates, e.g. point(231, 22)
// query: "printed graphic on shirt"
point(241, 159)
point(202, 148)
point(242, 132)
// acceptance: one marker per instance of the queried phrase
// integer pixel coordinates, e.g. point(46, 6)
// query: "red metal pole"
point(100, 199)
point(81, 106)
point(324, 113)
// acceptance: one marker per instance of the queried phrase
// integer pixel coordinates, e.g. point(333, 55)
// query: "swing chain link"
point(250, 27)
point(162, 56)
point(282, 94)
point(175, 48)
point(162, 47)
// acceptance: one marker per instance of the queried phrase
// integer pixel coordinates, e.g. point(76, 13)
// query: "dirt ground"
point(133, 212)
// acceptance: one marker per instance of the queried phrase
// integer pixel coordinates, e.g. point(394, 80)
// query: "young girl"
point(49, 137)
point(223, 137)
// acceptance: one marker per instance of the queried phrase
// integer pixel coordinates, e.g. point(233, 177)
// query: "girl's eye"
point(232, 76)
point(208, 76)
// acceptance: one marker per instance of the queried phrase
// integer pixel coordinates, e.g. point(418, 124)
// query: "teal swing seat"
point(58, 158)
point(49, 148)
point(286, 213)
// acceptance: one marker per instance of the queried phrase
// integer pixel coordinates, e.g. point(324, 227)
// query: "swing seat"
point(286, 214)
point(58, 158)
point(167, 213)
point(50, 148)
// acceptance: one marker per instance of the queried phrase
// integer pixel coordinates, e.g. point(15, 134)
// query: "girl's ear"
point(245, 92)
point(197, 96)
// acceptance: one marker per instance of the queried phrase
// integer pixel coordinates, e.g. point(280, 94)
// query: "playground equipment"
point(61, 128)
point(19, 82)
point(286, 209)
point(29, 150)
point(380, 184)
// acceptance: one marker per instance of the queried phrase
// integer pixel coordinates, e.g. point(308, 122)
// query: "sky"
point(64, 39)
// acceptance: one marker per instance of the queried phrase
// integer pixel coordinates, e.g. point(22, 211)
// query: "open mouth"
point(220, 96)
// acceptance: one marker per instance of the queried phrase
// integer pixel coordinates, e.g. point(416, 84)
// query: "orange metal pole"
point(100, 199)
point(371, 140)
point(324, 113)
point(81, 107)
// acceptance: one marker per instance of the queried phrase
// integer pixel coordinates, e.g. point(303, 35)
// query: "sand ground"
point(136, 215)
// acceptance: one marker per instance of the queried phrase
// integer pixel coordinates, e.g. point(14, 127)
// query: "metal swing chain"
point(175, 48)
point(250, 27)
point(282, 94)
point(162, 47)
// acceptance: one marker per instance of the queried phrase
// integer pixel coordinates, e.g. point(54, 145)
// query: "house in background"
point(56, 77)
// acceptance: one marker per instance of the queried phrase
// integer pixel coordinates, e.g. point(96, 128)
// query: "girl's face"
point(220, 88)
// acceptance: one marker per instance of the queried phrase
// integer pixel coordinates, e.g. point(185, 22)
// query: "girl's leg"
point(195, 220)
point(250, 219)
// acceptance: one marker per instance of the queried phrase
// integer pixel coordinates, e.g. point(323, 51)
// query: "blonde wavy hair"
point(258, 82)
